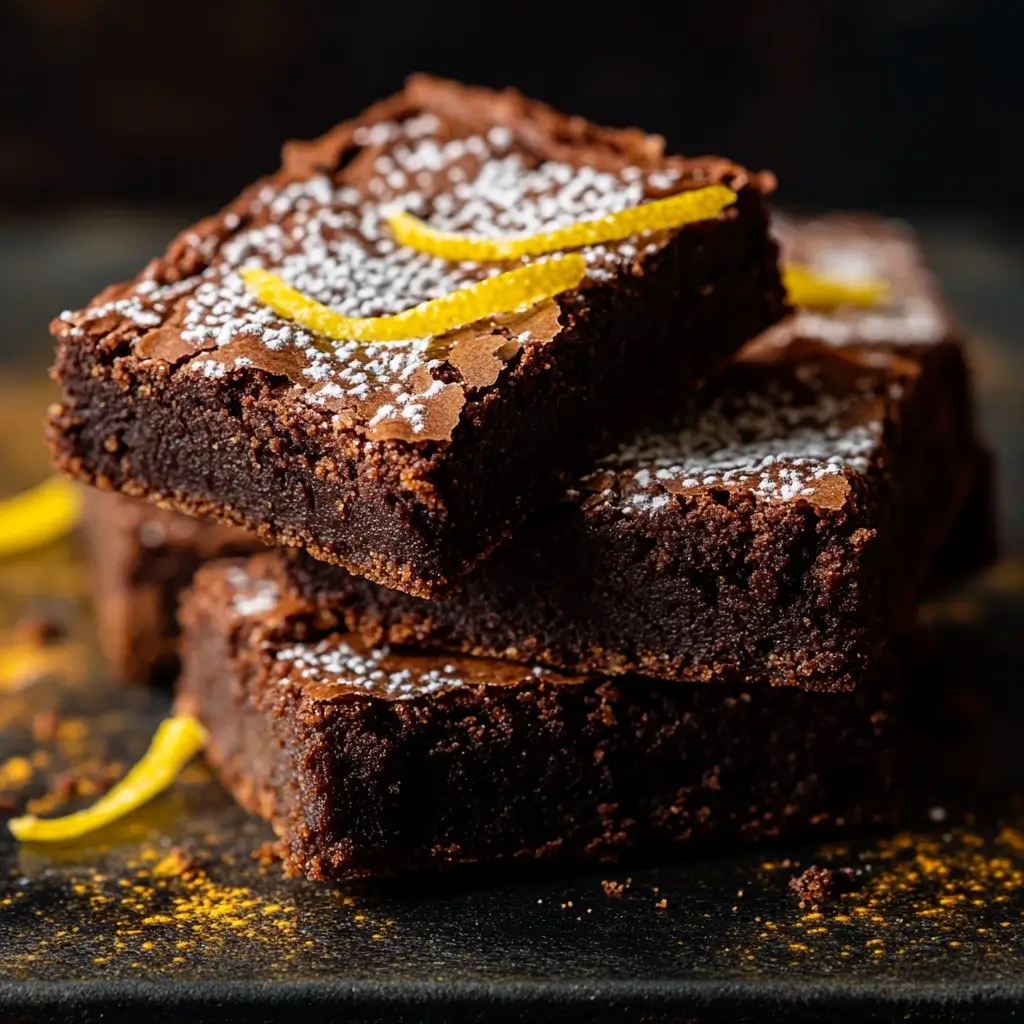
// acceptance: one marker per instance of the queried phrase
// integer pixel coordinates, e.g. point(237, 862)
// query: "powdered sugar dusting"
point(335, 661)
point(253, 597)
point(330, 240)
point(766, 441)
point(376, 671)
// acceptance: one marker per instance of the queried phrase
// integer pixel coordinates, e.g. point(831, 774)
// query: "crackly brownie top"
point(856, 247)
point(466, 160)
point(345, 666)
point(784, 432)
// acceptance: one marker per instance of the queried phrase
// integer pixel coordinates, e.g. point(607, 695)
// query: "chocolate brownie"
point(377, 761)
point(973, 542)
point(407, 462)
point(141, 558)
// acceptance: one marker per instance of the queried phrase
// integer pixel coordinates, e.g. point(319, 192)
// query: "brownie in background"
point(141, 557)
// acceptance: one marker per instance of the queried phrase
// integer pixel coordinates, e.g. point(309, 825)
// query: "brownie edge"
point(372, 762)
point(140, 559)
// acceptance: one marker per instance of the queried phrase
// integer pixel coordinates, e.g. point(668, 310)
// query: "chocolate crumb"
point(817, 885)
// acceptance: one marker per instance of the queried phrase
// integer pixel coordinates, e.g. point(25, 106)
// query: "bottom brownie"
point(376, 761)
point(140, 559)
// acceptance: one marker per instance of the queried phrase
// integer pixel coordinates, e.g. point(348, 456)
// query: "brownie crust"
point(140, 559)
point(436, 762)
point(409, 468)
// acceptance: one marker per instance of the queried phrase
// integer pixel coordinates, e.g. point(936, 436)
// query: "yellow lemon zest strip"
point(657, 215)
point(811, 290)
point(38, 516)
point(175, 743)
point(504, 293)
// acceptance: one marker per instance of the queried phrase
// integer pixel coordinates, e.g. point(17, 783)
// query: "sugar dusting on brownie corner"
point(252, 595)
point(339, 666)
point(334, 665)
point(767, 441)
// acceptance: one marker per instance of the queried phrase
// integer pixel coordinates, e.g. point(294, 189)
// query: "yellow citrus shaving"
point(504, 293)
point(812, 290)
point(658, 215)
point(39, 516)
point(176, 742)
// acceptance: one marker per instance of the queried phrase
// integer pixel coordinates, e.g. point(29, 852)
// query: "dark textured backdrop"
point(904, 105)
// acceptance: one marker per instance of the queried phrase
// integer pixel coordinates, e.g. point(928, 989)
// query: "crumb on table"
point(817, 885)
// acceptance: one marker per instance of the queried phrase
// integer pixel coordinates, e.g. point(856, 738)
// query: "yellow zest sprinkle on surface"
point(813, 291)
point(504, 293)
point(175, 743)
point(38, 516)
point(657, 215)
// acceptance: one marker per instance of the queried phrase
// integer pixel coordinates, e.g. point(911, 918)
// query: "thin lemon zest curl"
point(503, 293)
point(812, 290)
point(657, 215)
point(175, 743)
point(38, 516)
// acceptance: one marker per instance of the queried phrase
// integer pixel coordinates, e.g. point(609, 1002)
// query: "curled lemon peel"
point(657, 215)
point(811, 290)
point(175, 743)
point(503, 293)
point(38, 516)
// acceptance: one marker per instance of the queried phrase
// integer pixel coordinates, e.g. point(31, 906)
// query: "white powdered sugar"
point(915, 320)
point(763, 441)
point(375, 671)
point(335, 661)
point(253, 597)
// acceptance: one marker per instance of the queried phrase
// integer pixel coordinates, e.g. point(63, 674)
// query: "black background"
point(906, 106)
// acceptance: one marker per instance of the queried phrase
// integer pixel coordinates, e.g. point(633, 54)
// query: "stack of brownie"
point(620, 570)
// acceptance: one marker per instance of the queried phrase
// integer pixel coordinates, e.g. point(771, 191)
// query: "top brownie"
point(408, 462)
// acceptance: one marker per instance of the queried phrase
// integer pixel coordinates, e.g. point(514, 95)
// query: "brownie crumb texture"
point(817, 885)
